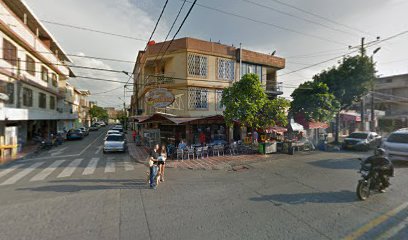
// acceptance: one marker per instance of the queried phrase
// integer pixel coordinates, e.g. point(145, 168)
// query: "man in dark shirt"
point(379, 162)
point(154, 155)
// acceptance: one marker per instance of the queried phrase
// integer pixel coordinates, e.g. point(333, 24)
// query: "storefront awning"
point(276, 129)
point(176, 120)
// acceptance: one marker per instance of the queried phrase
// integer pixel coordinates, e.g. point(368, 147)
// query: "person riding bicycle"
point(380, 163)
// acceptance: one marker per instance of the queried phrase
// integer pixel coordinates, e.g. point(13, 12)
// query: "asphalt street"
point(76, 192)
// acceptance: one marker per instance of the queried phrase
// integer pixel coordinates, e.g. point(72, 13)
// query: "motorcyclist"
point(380, 163)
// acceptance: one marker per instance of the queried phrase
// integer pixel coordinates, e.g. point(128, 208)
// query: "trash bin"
point(261, 148)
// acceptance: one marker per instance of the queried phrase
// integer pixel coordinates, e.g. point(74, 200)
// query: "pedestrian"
point(134, 134)
point(162, 162)
point(202, 138)
point(154, 155)
point(255, 136)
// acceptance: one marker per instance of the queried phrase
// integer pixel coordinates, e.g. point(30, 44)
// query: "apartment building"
point(391, 96)
point(33, 75)
point(192, 75)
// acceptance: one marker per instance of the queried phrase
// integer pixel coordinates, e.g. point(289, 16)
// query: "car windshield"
point(358, 135)
point(114, 138)
point(398, 138)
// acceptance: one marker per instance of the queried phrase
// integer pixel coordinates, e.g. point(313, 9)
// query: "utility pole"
point(362, 127)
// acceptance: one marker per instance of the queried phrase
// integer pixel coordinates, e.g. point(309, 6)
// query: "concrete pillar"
point(231, 134)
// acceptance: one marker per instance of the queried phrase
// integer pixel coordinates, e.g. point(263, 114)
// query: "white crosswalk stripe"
point(90, 169)
point(128, 166)
point(9, 170)
point(22, 174)
point(110, 166)
point(46, 172)
point(69, 170)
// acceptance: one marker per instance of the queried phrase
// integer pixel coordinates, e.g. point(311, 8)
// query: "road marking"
point(69, 170)
point(98, 150)
point(90, 169)
point(129, 166)
point(375, 222)
point(22, 174)
point(395, 230)
point(9, 170)
point(102, 134)
point(46, 172)
point(110, 166)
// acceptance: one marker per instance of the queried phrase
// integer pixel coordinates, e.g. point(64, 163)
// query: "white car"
point(114, 143)
point(110, 132)
point(396, 145)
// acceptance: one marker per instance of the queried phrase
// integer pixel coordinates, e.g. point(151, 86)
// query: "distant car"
point(118, 128)
point(94, 127)
point(101, 123)
point(362, 141)
point(114, 143)
point(85, 131)
point(74, 134)
point(396, 145)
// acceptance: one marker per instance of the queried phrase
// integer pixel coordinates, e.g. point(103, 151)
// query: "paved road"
point(97, 196)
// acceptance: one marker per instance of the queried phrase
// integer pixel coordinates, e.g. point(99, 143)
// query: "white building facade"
point(33, 75)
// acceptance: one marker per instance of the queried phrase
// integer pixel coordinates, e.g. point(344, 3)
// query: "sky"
point(303, 32)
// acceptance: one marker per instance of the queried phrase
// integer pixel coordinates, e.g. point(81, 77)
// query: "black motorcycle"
point(370, 181)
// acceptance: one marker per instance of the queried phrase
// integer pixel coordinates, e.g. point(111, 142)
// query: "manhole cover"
point(240, 168)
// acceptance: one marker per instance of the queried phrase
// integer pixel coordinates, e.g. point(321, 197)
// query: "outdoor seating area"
point(197, 151)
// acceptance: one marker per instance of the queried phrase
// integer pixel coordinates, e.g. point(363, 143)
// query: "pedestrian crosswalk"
point(40, 171)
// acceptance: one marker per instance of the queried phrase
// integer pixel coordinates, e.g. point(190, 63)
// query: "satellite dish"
point(4, 97)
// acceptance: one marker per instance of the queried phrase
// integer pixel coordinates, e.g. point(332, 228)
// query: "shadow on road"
point(302, 198)
point(100, 184)
point(337, 163)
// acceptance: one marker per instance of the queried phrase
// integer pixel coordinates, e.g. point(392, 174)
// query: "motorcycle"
point(370, 181)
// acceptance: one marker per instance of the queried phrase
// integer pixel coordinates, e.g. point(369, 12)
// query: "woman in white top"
point(162, 162)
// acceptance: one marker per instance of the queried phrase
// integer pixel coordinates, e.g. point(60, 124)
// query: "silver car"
point(114, 143)
point(396, 145)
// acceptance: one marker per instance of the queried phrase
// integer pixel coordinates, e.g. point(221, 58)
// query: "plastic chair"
point(180, 152)
point(199, 152)
point(190, 152)
point(205, 151)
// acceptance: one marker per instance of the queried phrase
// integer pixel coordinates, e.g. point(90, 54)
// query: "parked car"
point(396, 145)
point(118, 128)
point(363, 141)
point(74, 134)
point(114, 143)
point(85, 131)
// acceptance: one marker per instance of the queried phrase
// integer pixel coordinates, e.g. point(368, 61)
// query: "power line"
point(91, 30)
point(178, 30)
point(298, 17)
point(321, 17)
point(269, 24)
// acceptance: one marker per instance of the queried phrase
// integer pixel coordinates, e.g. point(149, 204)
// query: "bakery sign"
point(159, 98)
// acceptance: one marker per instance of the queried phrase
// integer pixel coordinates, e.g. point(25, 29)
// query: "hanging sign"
point(159, 98)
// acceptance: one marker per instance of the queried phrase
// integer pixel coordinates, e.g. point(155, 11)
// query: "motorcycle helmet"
point(380, 152)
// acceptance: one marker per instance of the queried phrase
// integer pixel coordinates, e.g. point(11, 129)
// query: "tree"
point(349, 82)
point(246, 102)
point(314, 101)
point(98, 112)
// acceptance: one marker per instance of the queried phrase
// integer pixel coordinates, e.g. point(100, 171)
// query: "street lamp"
point(372, 122)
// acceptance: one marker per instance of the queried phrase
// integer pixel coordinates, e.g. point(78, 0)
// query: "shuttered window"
point(9, 52)
point(30, 65)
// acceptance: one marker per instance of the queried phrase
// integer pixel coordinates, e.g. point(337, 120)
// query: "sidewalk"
point(27, 150)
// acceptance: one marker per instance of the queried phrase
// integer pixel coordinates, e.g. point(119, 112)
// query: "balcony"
point(153, 79)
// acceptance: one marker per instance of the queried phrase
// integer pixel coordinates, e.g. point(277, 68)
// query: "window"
point(30, 65)
point(9, 52)
point(27, 97)
point(44, 74)
point(10, 92)
point(225, 69)
point(197, 65)
point(42, 100)
point(252, 68)
point(54, 80)
point(218, 98)
point(198, 98)
point(52, 102)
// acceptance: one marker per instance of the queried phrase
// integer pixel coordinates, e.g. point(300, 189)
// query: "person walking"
point(162, 162)
point(153, 160)
point(134, 134)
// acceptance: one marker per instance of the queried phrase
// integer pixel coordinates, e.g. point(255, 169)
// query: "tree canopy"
point(314, 101)
point(98, 112)
point(247, 103)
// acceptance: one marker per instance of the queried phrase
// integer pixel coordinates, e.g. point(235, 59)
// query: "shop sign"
point(159, 98)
